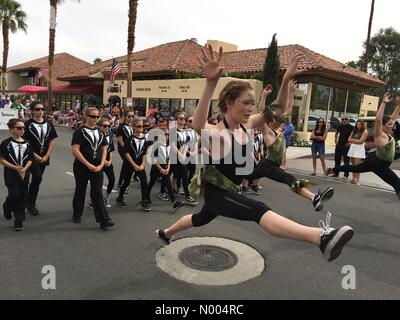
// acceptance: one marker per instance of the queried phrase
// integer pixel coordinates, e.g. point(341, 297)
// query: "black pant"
point(124, 166)
point(341, 151)
point(82, 177)
point(37, 170)
point(127, 180)
point(228, 204)
point(181, 173)
point(165, 182)
point(109, 171)
point(379, 167)
point(271, 170)
point(16, 199)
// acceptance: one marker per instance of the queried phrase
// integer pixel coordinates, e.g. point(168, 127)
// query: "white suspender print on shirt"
point(94, 139)
point(18, 152)
point(41, 132)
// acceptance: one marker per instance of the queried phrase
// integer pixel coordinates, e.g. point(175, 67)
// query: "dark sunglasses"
point(106, 126)
point(130, 116)
point(138, 126)
point(321, 121)
point(39, 109)
point(93, 117)
point(190, 121)
point(19, 128)
point(345, 119)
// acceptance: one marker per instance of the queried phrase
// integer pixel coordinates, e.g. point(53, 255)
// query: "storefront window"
point(319, 105)
point(354, 104)
point(140, 105)
point(337, 107)
point(190, 106)
point(175, 105)
point(214, 108)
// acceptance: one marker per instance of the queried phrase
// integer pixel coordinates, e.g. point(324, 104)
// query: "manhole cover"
point(210, 261)
point(208, 258)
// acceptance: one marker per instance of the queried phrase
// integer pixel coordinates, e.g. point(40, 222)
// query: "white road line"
point(69, 173)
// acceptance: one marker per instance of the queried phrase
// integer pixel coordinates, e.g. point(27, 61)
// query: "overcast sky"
point(98, 28)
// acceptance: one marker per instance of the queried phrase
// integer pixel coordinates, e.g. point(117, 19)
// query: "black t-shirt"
point(91, 142)
point(125, 131)
point(39, 135)
point(18, 154)
point(137, 148)
point(344, 133)
point(162, 154)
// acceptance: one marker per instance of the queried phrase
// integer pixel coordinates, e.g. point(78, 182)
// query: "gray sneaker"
point(191, 202)
point(333, 240)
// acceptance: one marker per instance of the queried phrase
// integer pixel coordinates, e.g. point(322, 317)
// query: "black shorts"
point(229, 204)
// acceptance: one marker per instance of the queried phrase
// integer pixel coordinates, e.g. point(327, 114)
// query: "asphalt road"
point(120, 263)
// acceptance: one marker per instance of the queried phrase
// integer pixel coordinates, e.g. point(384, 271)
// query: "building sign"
point(143, 89)
point(164, 88)
point(5, 116)
point(184, 88)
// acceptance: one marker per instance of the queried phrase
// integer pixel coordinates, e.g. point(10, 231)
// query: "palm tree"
point(368, 43)
point(131, 41)
point(12, 19)
point(52, 36)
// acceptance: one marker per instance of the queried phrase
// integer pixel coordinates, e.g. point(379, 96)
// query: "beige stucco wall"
point(172, 89)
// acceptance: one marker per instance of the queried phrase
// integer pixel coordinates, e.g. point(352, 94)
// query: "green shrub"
point(297, 142)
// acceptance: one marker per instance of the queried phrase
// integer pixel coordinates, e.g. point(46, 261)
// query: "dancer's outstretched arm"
point(211, 66)
point(379, 138)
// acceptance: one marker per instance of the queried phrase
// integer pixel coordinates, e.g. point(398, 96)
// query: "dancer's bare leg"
point(281, 227)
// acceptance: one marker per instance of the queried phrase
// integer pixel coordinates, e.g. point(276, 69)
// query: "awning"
point(93, 90)
point(32, 89)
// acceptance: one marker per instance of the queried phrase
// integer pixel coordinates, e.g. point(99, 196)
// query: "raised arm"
point(264, 95)
point(212, 69)
point(379, 116)
point(258, 120)
point(290, 73)
point(292, 94)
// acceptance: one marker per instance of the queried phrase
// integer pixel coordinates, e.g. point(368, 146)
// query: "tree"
point(97, 60)
point(272, 69)
point(52, 37)
point(366, 59)
point(131, 41)
point(12, 18)
point(385, 61)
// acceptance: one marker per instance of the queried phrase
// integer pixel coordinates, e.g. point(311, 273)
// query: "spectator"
point(357, 148)
point(318, 137)
point(288, 130)
point(342, 136)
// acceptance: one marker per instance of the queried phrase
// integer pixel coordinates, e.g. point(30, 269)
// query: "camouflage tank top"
point(386, 152)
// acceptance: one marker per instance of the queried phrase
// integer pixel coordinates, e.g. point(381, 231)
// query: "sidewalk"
point(299, 160)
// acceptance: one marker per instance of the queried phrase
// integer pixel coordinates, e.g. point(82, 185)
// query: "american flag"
point(38, 75)
point(115, 69)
